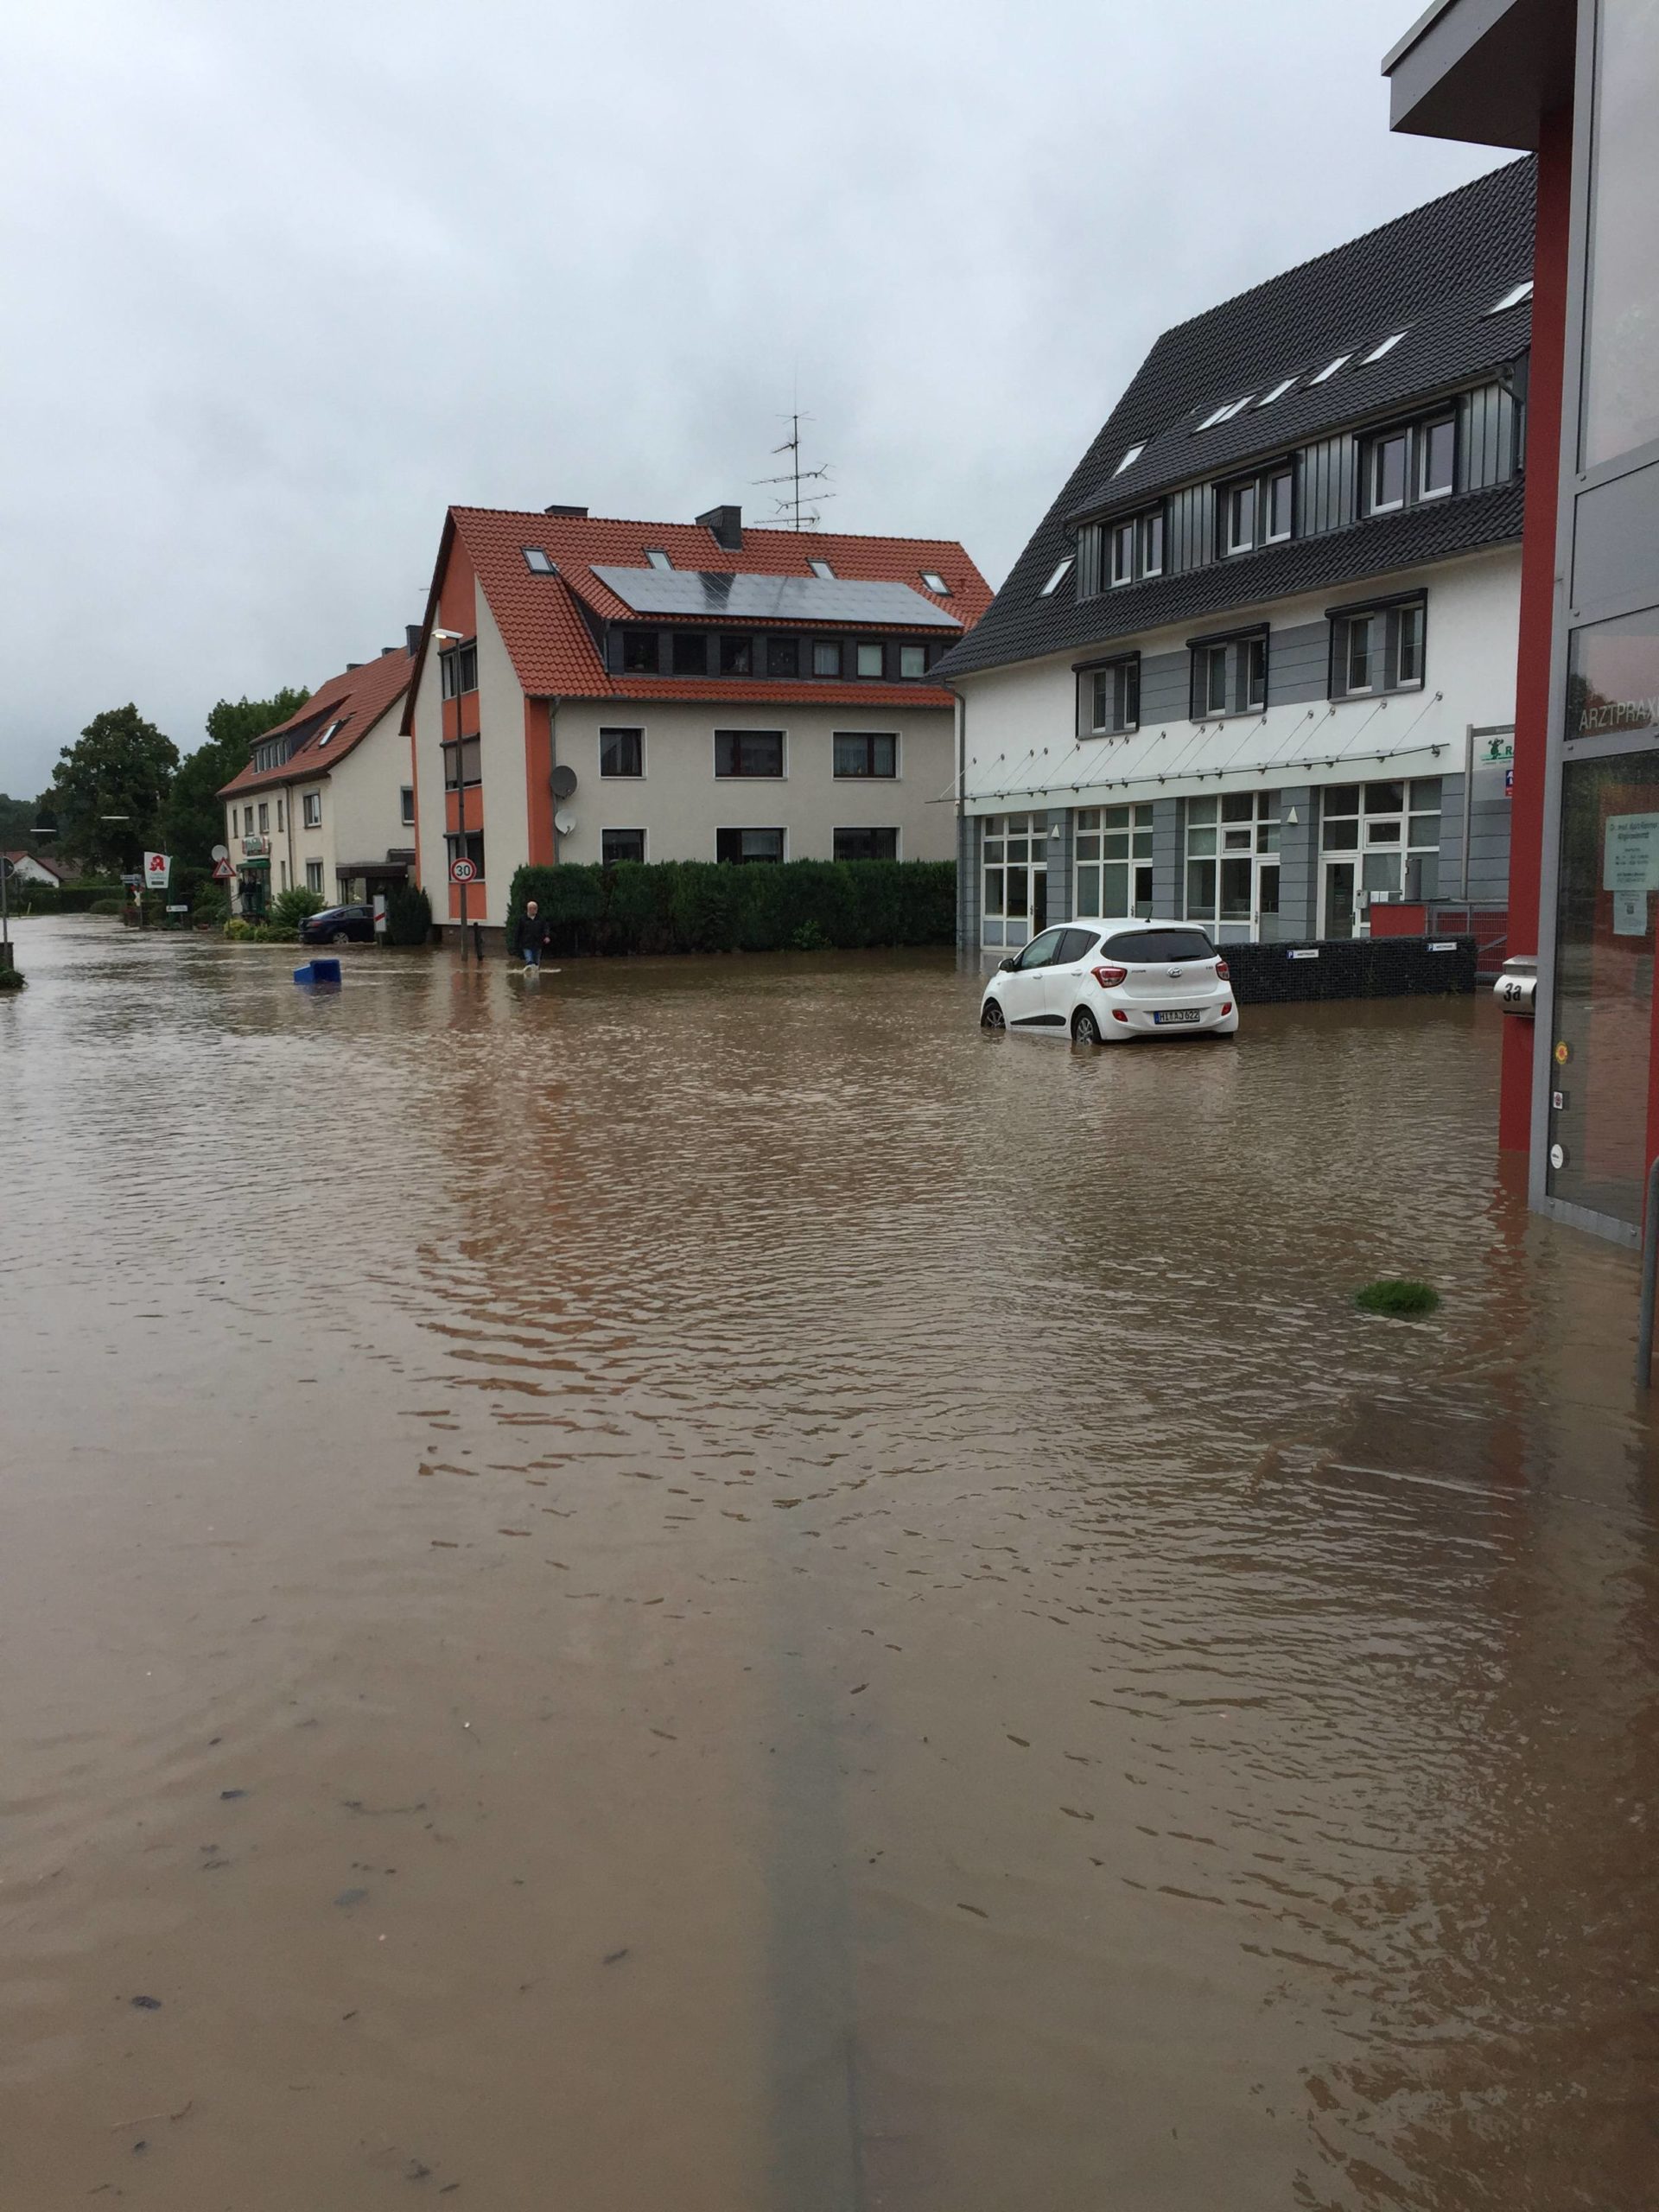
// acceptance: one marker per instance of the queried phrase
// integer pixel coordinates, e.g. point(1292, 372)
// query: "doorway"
point(1014, 878)
point(1338, 898)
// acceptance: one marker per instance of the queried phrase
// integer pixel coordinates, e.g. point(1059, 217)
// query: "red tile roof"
point(355, 699)
point(52, 868)
point(552, 648)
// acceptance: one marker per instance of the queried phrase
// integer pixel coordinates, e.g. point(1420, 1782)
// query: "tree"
point(17, 833)
point(121, 765)
point(195, 817)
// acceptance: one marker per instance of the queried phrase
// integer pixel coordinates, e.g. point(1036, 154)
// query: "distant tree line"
point(122, 766)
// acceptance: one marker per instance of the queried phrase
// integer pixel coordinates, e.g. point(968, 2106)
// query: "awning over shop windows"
point(254, 867)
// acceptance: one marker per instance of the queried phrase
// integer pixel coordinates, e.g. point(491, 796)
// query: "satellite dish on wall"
point(565, 822)
point(563, 781)
point(221, 852)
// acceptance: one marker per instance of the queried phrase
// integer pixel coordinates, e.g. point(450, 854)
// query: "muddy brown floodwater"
point(695, 1586)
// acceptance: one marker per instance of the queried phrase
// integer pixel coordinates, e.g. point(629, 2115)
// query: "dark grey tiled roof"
point(1435, 273)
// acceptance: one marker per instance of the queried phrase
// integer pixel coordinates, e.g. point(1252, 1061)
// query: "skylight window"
point(1512, 298)
point(1378, 352)
point(823, 569)
point(1330, 368)
point(1277, 392)
point(935, 583)
point(1130, 459)
point(1057, 578)
point(537, 562)
point(657, 557)
point(1225, 412)
point(333, 730)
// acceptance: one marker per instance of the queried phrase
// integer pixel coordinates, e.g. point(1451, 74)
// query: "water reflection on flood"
point(693, 1585)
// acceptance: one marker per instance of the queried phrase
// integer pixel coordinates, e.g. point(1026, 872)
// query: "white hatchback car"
point(1101, 982)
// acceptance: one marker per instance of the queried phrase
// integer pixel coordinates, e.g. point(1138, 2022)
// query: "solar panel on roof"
point(713, 593)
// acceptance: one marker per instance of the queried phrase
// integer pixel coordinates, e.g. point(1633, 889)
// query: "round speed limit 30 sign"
point(463, 871)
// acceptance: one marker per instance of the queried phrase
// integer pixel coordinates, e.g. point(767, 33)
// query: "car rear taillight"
point(1109, 977)
point(1222, 969)
point(1226, 1008)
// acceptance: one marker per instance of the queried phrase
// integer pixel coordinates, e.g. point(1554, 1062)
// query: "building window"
point(458, 669)
point(1388, 474)
point(870, 660)
point(314, 809)
point(742, 846)
point(471, 848)
point(1278, 506)
point(1379, 840)
point(783, 656)
point(748, 752)
point(621, 753)
point(1437, 447)
point(826, 656)
point(313, 875)
point(690, 653)
point(657, 557)
point(1621, 376)
point(867, 844)
point(1056, 578)
point(1232, 858)
point(1376, 648)
point(858, 753)
point(537, 561)
point(1115, 696)
point(264, 816)
point(406, 798)
point(935, 582)
point(913, 660)
point(1014, 872)
point(247, 821)
point(639, 652)
point(1123, 538)
point(823, 570)
point(1152, 543)
point(1229, 676)
point(736, 655)
point(1241, 518)
point(616, 845)
point(1114, 860)
point(471, 764)
point(279, 814)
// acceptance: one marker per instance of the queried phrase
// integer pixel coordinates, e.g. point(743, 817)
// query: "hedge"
point(715, 907)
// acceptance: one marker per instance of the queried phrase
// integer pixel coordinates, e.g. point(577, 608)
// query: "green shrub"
point(710, 906)
point(291, 908)
point(1398, 1296)
point(11, 979)
point(104, 906)
point(409, 916)
point(210, 907)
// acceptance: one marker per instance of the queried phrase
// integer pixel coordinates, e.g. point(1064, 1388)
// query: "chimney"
point(411, 638)
point(384, 649)
point(571, 514)
point(727, 524)
point(351, 664)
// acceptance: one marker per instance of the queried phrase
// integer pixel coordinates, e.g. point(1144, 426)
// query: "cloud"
point(293, 278)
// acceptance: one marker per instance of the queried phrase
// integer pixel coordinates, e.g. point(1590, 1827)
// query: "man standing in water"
point(530, 939)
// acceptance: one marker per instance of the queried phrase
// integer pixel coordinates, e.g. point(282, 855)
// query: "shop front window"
point(1114, 860)
point(1621, 362)
point(1601, 1041)
point(1013, 879)
point(1232, 861)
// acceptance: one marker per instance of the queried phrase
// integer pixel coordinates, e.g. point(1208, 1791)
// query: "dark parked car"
point(338, 926)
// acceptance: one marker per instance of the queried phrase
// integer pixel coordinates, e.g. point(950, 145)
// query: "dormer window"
point(1387, 473)
point(1258, 510)
point(1123, 538)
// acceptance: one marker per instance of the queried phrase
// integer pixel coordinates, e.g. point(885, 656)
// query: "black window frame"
point(733, 742)
point(1243, 653)
point(640, 651)
point(473, 850)
point(862, 645)
point(461, 755)
point(1390, 612)
point(457, 670)
point(736, 653)
point(852, 832)
point(607, 859)
point(783, 654)
point(725, 838)
point(831, 645)
point(688, 652)
point(869, 739)
point(622, 775)
point(909, 675)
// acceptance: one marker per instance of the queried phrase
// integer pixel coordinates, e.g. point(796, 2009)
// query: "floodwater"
point(691, 1586)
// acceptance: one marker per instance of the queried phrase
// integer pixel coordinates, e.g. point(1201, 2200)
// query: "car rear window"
point(1141, 947)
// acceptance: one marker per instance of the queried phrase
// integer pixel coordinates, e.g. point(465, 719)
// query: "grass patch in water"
point(1398, 1296)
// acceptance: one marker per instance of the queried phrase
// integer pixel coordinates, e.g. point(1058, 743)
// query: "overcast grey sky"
point(285, 277)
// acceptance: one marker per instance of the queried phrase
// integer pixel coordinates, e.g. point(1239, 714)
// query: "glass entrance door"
point(1338, 898)
point(1014, 878)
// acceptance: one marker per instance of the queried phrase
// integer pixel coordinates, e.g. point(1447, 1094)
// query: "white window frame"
point(1372, 835)
point(1118, 671)
point(1124, 535)
point(1425, 433)
point(312, 811)
point(1237, 493)
point(1264, 514)
point(1108, 838)
point(1209, 838)
point(999, 832)
point(1154, 516)
point(313, 875)
point(405, 806)
point(1380, 444)
point(607, 729)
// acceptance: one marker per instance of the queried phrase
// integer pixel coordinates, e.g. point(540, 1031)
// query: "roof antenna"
point(796, 510)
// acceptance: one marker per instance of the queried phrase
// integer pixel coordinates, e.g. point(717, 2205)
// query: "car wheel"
point(991, 1016)
point(340, 937)
point(1086, 1030)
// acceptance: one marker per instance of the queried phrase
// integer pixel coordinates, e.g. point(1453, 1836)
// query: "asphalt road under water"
point(693, 1585)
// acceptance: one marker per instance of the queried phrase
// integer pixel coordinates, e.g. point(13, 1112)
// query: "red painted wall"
point(1537, 596)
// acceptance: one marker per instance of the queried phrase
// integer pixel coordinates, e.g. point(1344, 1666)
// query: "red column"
point(1537, 595)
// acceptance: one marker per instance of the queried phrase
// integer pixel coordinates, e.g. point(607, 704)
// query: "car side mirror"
point(1003, 966)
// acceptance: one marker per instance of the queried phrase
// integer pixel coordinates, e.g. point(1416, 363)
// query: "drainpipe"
point(964, 895)
point(1468, 807)
point(552, 763)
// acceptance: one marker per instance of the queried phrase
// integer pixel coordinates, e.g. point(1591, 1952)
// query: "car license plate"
point(1180, 1014)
